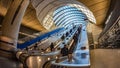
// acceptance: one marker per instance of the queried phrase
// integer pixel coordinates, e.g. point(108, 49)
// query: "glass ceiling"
point(67, 15)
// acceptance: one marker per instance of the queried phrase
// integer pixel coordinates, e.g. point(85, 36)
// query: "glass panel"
point(65, 15)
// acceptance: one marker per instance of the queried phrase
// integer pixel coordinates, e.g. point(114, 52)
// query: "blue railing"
point(46, 35)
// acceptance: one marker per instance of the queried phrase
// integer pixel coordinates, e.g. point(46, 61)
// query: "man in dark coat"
point(64, 51)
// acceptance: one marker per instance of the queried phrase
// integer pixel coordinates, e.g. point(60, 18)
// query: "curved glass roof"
point(67, 15)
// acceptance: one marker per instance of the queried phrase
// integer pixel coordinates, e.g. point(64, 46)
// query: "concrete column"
point(11, 25)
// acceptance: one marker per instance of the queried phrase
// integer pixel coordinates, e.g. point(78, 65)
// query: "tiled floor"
point(105, 58)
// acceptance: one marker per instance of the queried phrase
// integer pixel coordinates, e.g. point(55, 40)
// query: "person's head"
point(52, 43)
point(65, 45)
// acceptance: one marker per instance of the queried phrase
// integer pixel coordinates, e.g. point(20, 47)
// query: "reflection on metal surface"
point(56, 57)
point(48, 58)
point(18, 54)
point(42, 52)
point(36, 61)
point(40, 60)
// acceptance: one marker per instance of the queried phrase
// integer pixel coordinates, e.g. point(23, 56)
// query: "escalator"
point(46, 35)
point(44, 59)
point(47, 65)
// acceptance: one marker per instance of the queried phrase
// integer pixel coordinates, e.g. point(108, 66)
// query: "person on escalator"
point(64, 51)
point(51, 46)
point(63, 37)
